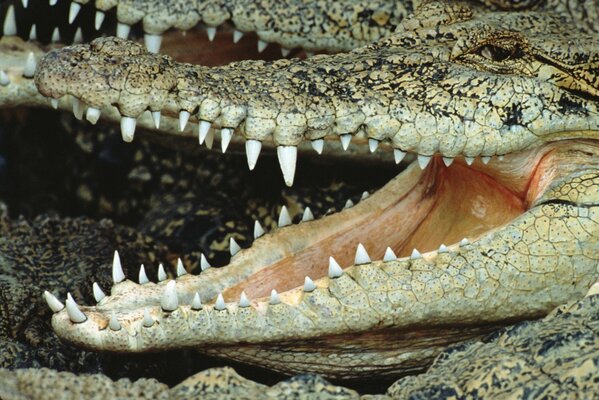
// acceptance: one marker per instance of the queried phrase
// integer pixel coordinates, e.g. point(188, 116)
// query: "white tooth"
point(335, 270)
point(210, 139)
point(220, 303)
point(309, 285)
point(25, 3)
point(318, 145)
point(237, 35)
point(122, 30)
point(73, 11)
point(443, 248)
point(258, 230)
point(152, 42)
point(204, 127)
point(345, 139)
point(99, 19)
point(92, 115)
point(423, 160)
point(54, 103)
point(447, 161)
point(593, 290)
point(30, 65)
point(74, 313)
point(348, 204)
point(53, 2)
point(274, 298)
point(500, 158)
point(78, 38)
point(365, 195)
point(183, 118)
point(464, 242)
point(243, 300)
point(211, 31)
point(4, 81)
point(78, 108)
point(469, 160)
point(10, 23)
point(143, 278)
point(156, 118)
point(233, 247)
point(196, 303)
point(485, 159)
point(69, 297)
point(180, 268)
point(415, 254)
point(55, 35)
point(373, 144)
point(33, 33)
point(252, 151)
point(285, 51)
point(128, 128)
point(161, 273)
point(225, 138)
point(284, 218)
point(98, 293)
point(54, 304)
point(114, 323)
point(308, 216)
point(389, 255)
point(362, 256)
point(148, 320)
point(117, 269)
point(170, 300)
point(398, 155)
point(287, 158)
point(204, 264)
point(261, 45)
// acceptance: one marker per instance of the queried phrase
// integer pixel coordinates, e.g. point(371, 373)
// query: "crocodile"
point(494, 220)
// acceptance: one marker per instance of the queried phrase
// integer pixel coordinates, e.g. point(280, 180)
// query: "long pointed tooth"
point(309, 285)
point(161, 273)
point(389, 255)
point(204, 127)
point(345, 140)
point(170, 300)
point(464, 242)
point(148, 321)
point(262, 45)
point(243, 300)
point(53, 2)
point(74, 313)
point(9, 28)
point(258, 230)
point(287, 158)
point(25, 3)
point(54, 304)
point(143, 278)
point(485, 159)
point(55, 38)
point(252, 151)
point(204, 264)
point(5, 81)
point(335, 270)
point(373, 144)
point(225, 138)
point(284, 218)
point(423, 160)
point(78, 108)
point(398, 155)
point(128, 128)
point(99, 19)
point(196, 303)
point(233, 247)
point(152, 42)
point(78, 38)
point(33, 32)
point(98, 292)
point(415, 254)
point(156, 117)
point(30, 65)
point(318, 145)
point(92, 115)
point(285, 51)
point(210, 139)
point(220, 303)
point(469, 160)
point(122, 30)
point(183, 118)
point(69, 297)
point(54, 103)
point(237, 35)
point(73, 11)
point(180, 268)
point(117, 269)
point(211, 32)
point(307, 216)
point(274, 298)
point(114, 323)
point(447, 161)
point(362, 256)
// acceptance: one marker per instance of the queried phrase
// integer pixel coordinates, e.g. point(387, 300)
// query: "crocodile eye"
point(495, 53)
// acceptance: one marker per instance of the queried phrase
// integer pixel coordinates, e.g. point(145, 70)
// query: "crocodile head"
point(494, 218)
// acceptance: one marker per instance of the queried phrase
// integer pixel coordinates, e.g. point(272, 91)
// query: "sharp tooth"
point(423, 160)
point(307, 216)
point(485, 159)
point(233, 247)
point(258, 230)
point(447, 161)
point(365, 195)
point(204, 264)
point(161, 273)
point(143, 278)
point(148, 320)
point(54, 304)
point(501, 157)
point(261, 45)
point(4, 81)
point(415, 254)
point(252, 151)
point(170, 300)
point(122, 30)
point(593, 290)
point(92, 115)
point(287, 158)
point(211, 32)
point(220, 303)
point(55, 35)
point(237, 35)
point(274, 298)
point(464, 242)
point(285, 51)
point(98, 293)
point(225, 138)
point(30, 65)
point(399, 155)
point(128, 128)
point(345, 139)
point(348, 204)
point(78, 108)
point(183, 118)
point(318, 145)
point(10, 23)
point(443, 248)
point(74, 313)
point(99, 19)
point(284, 218)
point(78, 38)
point(117, 269)
point(362, 256)
point(335, 270)
point(210, 139)
point(114, 323)
point(73, 11)
point(469, 160)
point(25, 3)
point(389, 255)
point(153, 42)
point(53, 2)
point(373, 144)
point(54, 103)
point(243, 300)
point(180, 268)
point(156, 118)
point(196, 303)
point(33, 33)
point(69, 297)
point(204, 127)
point(309, 285)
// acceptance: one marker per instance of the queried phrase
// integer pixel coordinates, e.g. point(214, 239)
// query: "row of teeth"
point(170, 300)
